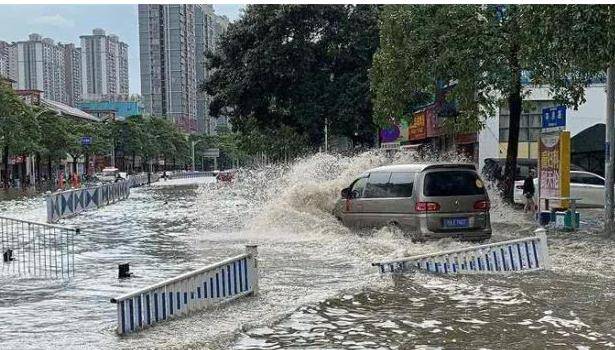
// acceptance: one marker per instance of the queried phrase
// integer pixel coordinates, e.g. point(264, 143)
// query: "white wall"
point(592, 112)
point(488, 140)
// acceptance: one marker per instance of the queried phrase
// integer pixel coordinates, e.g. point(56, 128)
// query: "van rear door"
point(455, 199)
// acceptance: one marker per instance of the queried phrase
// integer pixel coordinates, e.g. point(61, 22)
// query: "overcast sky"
point(65, 23)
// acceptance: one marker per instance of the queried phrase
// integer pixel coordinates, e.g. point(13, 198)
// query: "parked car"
point(110, 174)
point(425, 200)
point(494, 168)
point(585, 185)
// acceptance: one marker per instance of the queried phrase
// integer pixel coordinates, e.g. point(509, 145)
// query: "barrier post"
point(252, 249)
point(49, 207)
point(541, 233)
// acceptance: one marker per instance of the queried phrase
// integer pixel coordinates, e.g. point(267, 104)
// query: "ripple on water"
point(318, 289)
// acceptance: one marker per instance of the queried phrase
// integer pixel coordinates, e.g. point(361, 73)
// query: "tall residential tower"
point(173, 40)
point(104, 66)
point(38, 64)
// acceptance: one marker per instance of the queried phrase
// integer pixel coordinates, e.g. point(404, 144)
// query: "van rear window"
point(452, 183)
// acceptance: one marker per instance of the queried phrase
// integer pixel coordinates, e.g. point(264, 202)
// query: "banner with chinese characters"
point(554, 166)
point(417, 130)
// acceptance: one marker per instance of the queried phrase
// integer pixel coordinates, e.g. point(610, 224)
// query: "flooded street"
point(317, 286)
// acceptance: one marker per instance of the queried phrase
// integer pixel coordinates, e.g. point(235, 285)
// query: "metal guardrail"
point(519, 255)
point(142, 179)
point(191, 174)
point(214, 284)
point(71, 202)
point(37, 249)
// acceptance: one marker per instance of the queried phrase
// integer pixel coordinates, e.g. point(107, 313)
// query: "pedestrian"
point(528, 192)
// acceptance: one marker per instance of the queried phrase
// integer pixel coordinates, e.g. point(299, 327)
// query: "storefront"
point(426, 129)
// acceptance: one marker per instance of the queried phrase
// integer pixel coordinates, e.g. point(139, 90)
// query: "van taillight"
point(427, 206)
point(482, 205)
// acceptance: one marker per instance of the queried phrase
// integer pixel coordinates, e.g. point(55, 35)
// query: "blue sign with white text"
point(86, 140)
point(554, 117)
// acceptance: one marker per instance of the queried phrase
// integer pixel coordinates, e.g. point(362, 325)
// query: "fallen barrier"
point(519, 255)
point(191, 174)
point(214, 284)
point(37, 249)
point(63, 204)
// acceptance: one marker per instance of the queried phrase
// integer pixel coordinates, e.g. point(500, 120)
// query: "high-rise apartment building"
point(38, 64)
point(209, 29)
point(4, 59)
point(104, 66)
point(168, 62)
point(72, 71)
point(173, 41)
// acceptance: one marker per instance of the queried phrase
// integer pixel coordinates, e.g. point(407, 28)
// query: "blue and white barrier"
point(214, 284)
point(519, 255)
point(63, 204)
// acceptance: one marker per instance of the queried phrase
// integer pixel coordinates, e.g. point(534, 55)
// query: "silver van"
point(425, 200)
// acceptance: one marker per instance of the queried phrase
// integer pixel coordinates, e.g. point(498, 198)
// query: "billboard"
point(418, 127)
point(554, 165)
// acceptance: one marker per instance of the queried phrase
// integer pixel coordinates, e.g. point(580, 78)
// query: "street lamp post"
point(194, 143)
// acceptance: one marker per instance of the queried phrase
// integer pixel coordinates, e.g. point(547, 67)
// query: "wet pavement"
point(318, 289)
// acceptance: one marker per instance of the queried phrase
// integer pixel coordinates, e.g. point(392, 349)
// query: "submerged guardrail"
point(37, 249)
point(63, 204)
point(191, 174)
point(519, 255)
point(214, 284)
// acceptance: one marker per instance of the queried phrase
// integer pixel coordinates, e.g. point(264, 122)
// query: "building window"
point(530, 122)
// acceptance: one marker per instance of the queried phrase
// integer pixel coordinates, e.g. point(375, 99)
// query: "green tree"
point(297, 66)
point(54, 138)
point(578, 42)
point(477, 52)
point(19, 132)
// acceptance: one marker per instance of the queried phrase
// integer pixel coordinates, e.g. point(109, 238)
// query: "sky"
point(65, 23)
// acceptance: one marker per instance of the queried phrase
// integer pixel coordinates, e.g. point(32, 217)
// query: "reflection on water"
point(521, 312)
point(318, 289)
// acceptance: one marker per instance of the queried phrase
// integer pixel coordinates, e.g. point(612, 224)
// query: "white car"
point(585, 185)
point(109, 174)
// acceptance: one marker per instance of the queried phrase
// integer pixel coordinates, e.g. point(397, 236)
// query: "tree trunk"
point(514, 106)
point(23, 172)
point(134, 161)
point(5, 163)
point(75, 157)
point(50, 174)
point(87, 164)
point(38, 168)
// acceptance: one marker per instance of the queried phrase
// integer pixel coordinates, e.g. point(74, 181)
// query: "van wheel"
point(394, 226)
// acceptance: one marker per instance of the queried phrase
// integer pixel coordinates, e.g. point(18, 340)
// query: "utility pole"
point(326, 135)
point(192, 148)
point(193, 143)
point(609, 225)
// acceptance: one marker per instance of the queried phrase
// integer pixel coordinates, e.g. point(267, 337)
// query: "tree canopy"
point(294, 67)
point(479, 54)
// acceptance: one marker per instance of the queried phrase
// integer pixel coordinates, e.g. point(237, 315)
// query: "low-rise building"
point(493, 139)
point(111, 110)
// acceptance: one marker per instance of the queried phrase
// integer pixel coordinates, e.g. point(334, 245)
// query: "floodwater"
point(318, 289)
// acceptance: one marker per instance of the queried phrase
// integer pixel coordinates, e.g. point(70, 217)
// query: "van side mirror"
point(346, 193)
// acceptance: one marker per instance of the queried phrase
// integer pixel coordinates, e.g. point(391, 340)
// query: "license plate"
point(456, 223)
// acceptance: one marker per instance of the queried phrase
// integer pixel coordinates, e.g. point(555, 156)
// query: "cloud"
point(54, 21)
